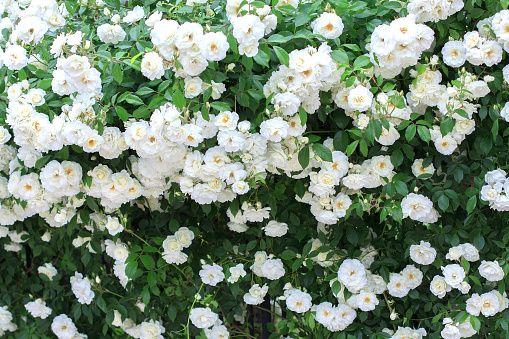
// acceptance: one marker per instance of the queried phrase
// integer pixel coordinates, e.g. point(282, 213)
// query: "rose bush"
point(172, 169)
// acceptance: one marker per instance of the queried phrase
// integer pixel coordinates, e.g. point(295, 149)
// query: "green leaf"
point(424, 133)
point(476, 323)
point(233, 43)
point(410, 132)
point(302, 18)
point(351, 148)
point(323, 152)
point(447, 125)
point(303, 115)
point(401, 187)
point(494, 129)
point(131, 268)
point(397, 158)
point(220, 106)
point(282, 55)
point(178, 99)
point(443, 202)
point(102, 304)
point(262, 58)
point(479, 242)
point(351, 235)
point(134, 99)
point(122, 113)
point(363, 147)
point(117, 73)
point(340, 56)
point(304, 157)
point(362, 61)
point(144, 91)
point(92, 204)
point(152, 278)
point(147, 261)
point(471, 203)
point(42, 161)
point(288, 255)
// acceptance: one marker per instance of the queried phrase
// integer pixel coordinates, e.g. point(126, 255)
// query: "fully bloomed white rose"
point(38, 308)
point(360, 99)
point(299, 301)
point(63, 327)
point(110, 33)
point(272, 269)
point(203, 317)
point(135, 15)
point(498, 175)
point(192, 87)
point(450, 332)
point(256, 294)
point(82, 289)
point(490, 305)
point(275, 229)
point(184, 236)
point(328, 25)
point(152, 66)
point(15, 57)
point(114, 226)
point(352, 274)
point(416, 206)
point(248, 29)
point(454, 53)
point(211, 275)
point(454, 275)
point(213, 46)
point(274, 129)
point(470, 252)
point(446, 144)
point(418, 169)
point(439, 286)
point(236, 272)
point(491, 270)
point(398, 286)
point(48, 269)
point(366, 301)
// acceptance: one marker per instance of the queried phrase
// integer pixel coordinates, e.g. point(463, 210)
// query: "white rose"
point(110, 33)
point(439, 287)
point(329, 25)
point(491, 270)
point(360, 98)
point(192, 87)
point(203, 317)
point(454, 275)
point(352, 274)
point(275, 229)
point(152, 66)
point(15, 57)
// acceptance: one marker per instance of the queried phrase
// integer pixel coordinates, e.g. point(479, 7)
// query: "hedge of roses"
point(172, 169)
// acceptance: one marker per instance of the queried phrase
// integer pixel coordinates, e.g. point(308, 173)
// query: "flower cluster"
point(398, 45)
point(433, 10)
point(228, 116)
point(174, 244)
point(63, 327)
point(495, 192)
point(250, 24)
point(6, 323)
point(309, 71)
point(38, 308)
point(474, 48)
point(82, 288)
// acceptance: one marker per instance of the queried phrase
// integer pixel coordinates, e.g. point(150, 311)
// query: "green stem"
point(189, 318)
